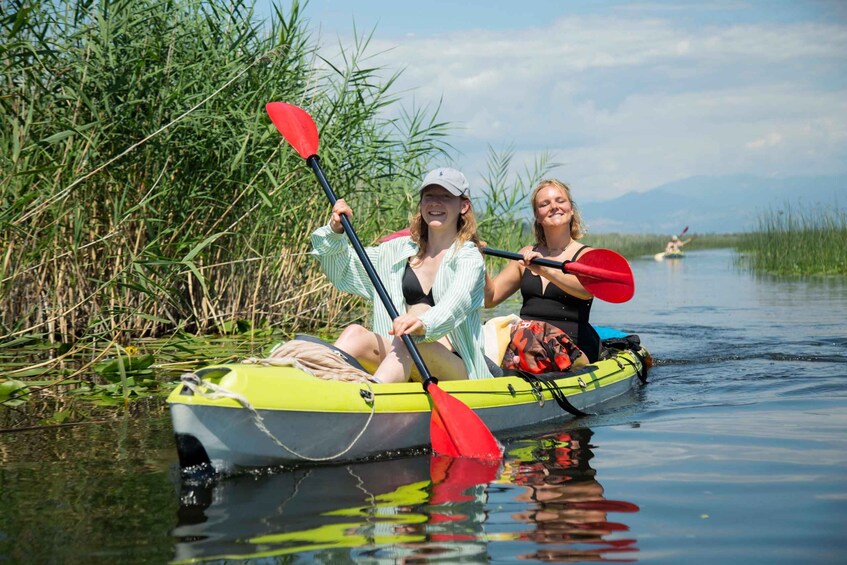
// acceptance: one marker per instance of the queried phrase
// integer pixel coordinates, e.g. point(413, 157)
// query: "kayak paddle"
point(401, 233)
point(455, 429)
point(602, 272)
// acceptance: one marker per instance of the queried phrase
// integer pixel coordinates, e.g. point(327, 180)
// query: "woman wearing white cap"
point(435, 277)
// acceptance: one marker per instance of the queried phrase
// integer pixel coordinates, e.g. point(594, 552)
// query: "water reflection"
point(567, 513)
point(543, 502)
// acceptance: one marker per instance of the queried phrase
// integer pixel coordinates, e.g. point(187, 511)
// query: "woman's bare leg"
point(396, 365)
point(442, 363)
point(367, 347)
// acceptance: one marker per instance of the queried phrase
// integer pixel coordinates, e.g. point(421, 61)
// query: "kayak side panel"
point(233, 440)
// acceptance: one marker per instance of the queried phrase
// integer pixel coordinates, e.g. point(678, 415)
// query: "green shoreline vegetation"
point(148, 204)
point(798, 240)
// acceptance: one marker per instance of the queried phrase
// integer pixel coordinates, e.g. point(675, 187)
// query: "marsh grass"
point(144, 189)
point(629, 245)
point(797, 240)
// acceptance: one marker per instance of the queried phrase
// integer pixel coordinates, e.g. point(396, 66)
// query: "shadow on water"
point(543, 502)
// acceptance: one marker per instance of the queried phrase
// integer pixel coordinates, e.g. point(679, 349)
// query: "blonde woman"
point(549, 295)
point(435, 277)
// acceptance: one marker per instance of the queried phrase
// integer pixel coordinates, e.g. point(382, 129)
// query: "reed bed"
point(145, 191)
point(630, 246)
point(798, 240)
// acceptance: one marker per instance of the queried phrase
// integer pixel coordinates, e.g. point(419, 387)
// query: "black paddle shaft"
point(314, 162)
point(562, 266)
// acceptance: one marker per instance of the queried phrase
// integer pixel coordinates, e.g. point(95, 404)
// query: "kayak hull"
point(242, 416)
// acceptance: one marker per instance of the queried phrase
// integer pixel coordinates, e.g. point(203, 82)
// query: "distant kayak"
point(662, 256)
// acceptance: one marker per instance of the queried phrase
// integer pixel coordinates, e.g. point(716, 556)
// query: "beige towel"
point(497, 333)
point(314, 359)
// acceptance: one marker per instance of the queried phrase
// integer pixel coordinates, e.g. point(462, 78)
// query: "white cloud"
point(630, 103)
point(773, 138)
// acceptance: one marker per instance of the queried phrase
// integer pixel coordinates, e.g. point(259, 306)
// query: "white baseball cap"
point(450, 179)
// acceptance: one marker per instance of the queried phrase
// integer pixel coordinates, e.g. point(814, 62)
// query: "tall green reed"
point(504, 208)
point(143, 188)
point(798, 240)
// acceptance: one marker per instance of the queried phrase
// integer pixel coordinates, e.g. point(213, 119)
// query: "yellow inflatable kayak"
point(238, 416)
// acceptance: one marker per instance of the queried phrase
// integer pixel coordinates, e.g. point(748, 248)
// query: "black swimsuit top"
point(412, 291)
point(552, 304)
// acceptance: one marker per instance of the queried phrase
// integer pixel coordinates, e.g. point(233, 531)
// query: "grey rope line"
point(360, 484)
point(194, 383)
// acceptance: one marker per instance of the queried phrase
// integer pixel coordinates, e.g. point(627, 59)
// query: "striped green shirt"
point(457, 291)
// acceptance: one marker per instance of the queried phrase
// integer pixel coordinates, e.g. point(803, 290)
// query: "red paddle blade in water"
point(452, 476)
point(604, 274)
point(456, 430)
point(296, 126)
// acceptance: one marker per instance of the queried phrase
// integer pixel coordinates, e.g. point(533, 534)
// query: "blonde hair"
point(466, 226)
point(577, 229)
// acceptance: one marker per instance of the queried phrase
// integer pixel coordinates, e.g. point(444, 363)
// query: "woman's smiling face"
point(553, 207)
point(440, 208)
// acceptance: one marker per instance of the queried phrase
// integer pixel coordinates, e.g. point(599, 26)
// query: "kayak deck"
point(239, 415)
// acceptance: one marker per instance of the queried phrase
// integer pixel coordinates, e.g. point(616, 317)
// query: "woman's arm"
point(568, 283)
point(338, 260)
point(504, 285)
point(340, 263)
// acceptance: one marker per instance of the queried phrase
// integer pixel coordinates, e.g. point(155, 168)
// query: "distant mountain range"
point(725, 204)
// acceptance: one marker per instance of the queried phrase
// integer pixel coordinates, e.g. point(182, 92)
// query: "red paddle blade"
point(395, 235)
point(452, 476)
point(457, 431)
point(605, 274)
point(439, 437)
point(296, 126)
point(683, 231)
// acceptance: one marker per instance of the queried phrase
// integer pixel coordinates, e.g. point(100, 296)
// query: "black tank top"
point(412, 291)
point(555, 306)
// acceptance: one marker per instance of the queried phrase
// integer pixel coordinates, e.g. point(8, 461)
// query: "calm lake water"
point(734, 452)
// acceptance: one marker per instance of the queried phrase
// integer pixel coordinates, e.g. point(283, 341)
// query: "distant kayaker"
point(549, 295)
point(435, 278)
point(675, 245)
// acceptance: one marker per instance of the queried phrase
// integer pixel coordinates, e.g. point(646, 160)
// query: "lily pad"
point(112, 369)
point(13, 393)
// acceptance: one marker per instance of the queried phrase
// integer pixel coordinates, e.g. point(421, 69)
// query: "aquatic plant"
point(797, 239)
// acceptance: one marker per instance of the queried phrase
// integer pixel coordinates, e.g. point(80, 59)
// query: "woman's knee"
point(355, 336)
point(363, 344)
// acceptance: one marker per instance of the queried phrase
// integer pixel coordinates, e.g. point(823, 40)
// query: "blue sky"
point(625, 95)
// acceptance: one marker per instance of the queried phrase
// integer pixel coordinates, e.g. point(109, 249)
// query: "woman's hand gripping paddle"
point(455, 429)
point(602, 272)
